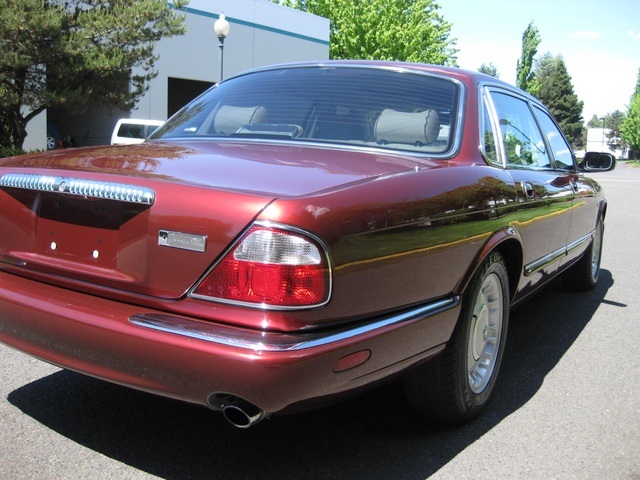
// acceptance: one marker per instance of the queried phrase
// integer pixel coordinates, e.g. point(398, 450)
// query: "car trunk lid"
point(151, 218)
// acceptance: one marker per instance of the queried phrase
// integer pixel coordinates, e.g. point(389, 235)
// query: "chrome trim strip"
point(544, 261)
point(553, 256)
point(278, 342)
point(580, 241)
point(77, 186)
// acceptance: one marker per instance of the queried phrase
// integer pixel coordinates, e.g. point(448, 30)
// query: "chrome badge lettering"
point(183, 241)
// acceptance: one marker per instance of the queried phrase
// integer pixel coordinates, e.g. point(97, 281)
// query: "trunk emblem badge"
point(182, 241)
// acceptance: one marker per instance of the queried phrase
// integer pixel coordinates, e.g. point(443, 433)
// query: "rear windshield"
point(345, 105)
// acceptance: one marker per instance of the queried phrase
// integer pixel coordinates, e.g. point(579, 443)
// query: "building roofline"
point(240, 14)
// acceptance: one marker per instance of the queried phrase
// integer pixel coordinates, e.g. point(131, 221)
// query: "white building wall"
point(36, 133)
point(598, 141)
point(261, 33)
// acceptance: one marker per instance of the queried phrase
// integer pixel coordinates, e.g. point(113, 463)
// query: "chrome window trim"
point(485, 103)
point(262, 341)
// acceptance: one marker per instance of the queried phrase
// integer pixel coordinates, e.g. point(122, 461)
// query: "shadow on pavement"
point(375, 435)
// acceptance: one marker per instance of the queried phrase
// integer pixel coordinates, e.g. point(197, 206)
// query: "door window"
point(521, 137)
point(559, 147)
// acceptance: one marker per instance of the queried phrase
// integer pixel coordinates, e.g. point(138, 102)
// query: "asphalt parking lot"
point(567, 405)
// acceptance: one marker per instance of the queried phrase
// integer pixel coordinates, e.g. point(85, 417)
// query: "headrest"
point(229, 119)
point(419, 128)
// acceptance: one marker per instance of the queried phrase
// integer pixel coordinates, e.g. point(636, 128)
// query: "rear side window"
point(560, 149)
point(358, 106)
point(521, 137)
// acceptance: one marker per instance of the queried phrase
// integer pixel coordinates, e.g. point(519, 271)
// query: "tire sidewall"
point(596, 244)
point(470, 400)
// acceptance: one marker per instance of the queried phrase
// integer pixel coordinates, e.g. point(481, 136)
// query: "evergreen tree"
point(490, 70)
point(555, 90)
point(595, 122)
point(525, 77)
point(612, 122)
point(75, 54)
point(407, 30)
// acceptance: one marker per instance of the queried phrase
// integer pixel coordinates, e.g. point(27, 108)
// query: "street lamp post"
point(221, 27)
point(603, 127)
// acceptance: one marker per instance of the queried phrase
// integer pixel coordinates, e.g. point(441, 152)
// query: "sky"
point(599, 41)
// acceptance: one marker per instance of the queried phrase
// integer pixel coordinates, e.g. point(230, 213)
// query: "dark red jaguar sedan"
point(298, 233)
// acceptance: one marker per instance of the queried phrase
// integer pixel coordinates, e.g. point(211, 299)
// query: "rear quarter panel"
point(402, 239)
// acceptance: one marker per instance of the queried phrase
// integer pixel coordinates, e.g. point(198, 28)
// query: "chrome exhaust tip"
point(243, 416)
point(237, 411)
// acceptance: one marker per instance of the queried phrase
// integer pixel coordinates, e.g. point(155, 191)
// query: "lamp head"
point(221, 27)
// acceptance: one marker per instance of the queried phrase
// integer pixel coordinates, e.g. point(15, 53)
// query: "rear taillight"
point(271, 267)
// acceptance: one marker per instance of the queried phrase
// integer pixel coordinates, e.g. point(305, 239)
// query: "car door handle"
point(575, 187)
point(527, 189)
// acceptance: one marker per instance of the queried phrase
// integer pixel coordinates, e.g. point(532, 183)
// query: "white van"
point(130, 130)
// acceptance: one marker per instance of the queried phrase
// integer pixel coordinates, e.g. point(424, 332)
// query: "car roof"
point(419, 67)
point(468, 77)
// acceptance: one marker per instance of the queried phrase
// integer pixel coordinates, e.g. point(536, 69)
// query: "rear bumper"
point(188, 359)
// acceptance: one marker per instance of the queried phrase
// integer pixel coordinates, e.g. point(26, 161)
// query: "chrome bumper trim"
point(279, 342)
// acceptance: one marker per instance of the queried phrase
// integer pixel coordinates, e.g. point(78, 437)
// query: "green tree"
point(630, 126)
point(555, 90)
point(613, 121)
point(76, 54)
point(525, 77)
point(407, 30)
point(490, 70)
point(595, 122)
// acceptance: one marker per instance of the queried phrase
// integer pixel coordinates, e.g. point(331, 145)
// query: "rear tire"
point(583, 276)
point(458, 384)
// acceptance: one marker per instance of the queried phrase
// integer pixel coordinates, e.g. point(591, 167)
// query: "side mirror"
point(598, 162)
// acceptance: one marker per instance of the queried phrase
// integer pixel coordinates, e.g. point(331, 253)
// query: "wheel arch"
point(508, 243)
point(602, 210)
